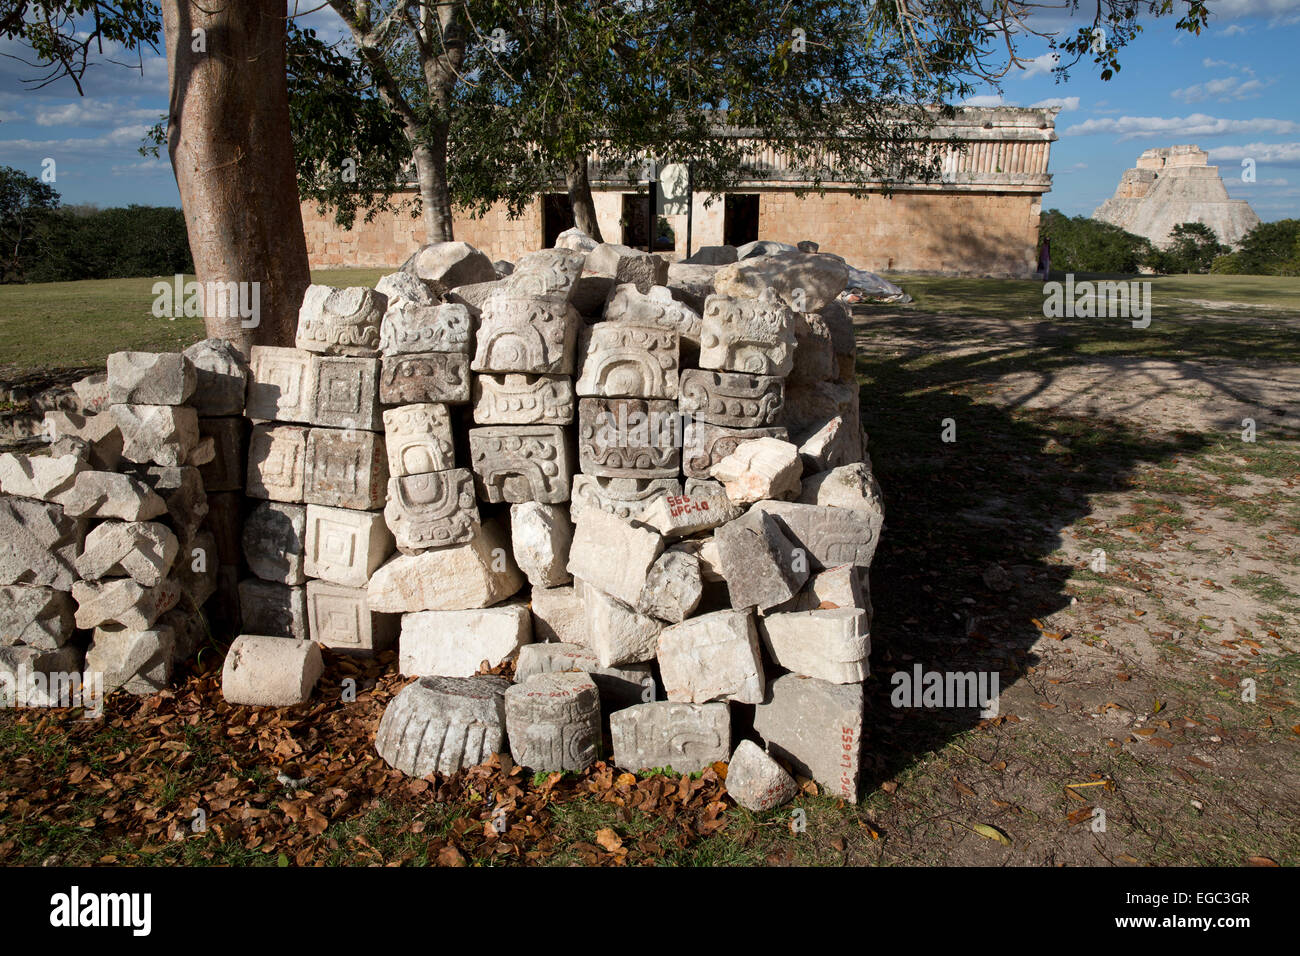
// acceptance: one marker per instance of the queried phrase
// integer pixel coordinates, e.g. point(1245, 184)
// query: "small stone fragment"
point(265, 671)
point(541, 536)
point(758, 470)
point(673, 587)
point(756, 781)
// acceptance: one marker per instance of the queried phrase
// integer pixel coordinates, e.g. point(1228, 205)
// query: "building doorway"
point(636, 214)
point(740, 219)
point(557, 216)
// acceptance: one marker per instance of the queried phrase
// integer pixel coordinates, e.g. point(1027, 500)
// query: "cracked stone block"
point(150, 378)
point(42, 477)
point(625, 498)
point(618, 687)
point(759, 562)
point(830, 536)
point(747, 335)
point(411, 328)
point(704, 444)
point(225, 472)
point(345, 468)
point(92, 393)
point(815, 727)
point(545, 274)
point(521, 334)
point(844, 586)
point(185, 500)
point(276, 610)
point(761, 469)
point(433, 510)
point(340, 618)
point(851, 486)
point(340, 321)
point(99, 431)
point(136, 661)
point(520, 399)
point(629, 438)
point(617, 633)
point(456, 643)
point(345, 546)
point(704, 506)
point(704, 550)
point(756, 781)
point(553, 722)
point(405, 287)
point(814, 353)
point(541, 535)
point(157, 434)
point(558, 615)
point(222, 377)
point(266, 671)
point(418, 439)
point(277, 463)
point(518, 463)
point(673, 588)
point(625, 264)
point(806, 283)
point(273, 540)
point(443, 724)
point(832, 644)
point(39, 617)
point(613, 555)
point(39, 543)
point(628, 361)
point(712, 657)
point(123, 601)
point(476, 574)
point(830, 446)
point(281, 384)
point(425, 377)
point(809, 406)
point(733, 399)
point(656, 308)
point(682, 737)
point(450, 264)
point(142, 550)
point(346, 392)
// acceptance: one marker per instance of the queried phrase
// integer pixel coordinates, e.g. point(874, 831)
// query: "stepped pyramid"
point(1174, 184)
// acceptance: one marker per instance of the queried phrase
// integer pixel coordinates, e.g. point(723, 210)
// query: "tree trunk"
point(228, 138)
point(584, 206)
point(431, 172)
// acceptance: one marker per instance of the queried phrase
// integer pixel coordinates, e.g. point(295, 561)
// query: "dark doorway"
point(634, 219)
point(557, 216)
point(740, 220)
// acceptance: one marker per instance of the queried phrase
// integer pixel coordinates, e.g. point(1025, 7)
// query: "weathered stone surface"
point(816, 728)
point(136, 661)
point(225, 472)
point(189, 631)
point(691, 283)
point(704, 445)
point(520, 334)
point(102, 494)
point(814, 353)
point(122, 601)
point(704, 550)
point(756, 781)
point(576, 240)
point(548, 273)
point(455, 643)
point(616, 633)
point(830, 536)
point(39, 476)
point(474, 295)
point(840, 325)
point(39, 617)
point(274, 609)
point(181, 490)
point(683, 737)
point(763, 247)
point(804, 282)
point(844, 586)
point(340, 618)
point(99, 431)
point(714, 255)
point(345, 546)
point(432, 510)
point(831, 445)
point(150, 378)
point(704, 506)
point(274, 542)
point(222, 377)
point(765, 468)
point(624, 498)
point(590, 294)
point(277, 463)
point(732, 399)
point(142, 550)
point(443, 724)
point(405, 287)
point(340, 321)
point(280, 384)
point(476, 574)
point(747, 335)
point(558, 615)
point(759, 562)
point(197, 569)
point(410, 328)
point(266, 671)
point(523, 399)
point(39, 543)
point(831, 644)
point(518, 463)
point(612, 555)
point(619, 687)
point(345, 468)
point(656, 308)
point(541, 535)
point(23, 681)
point(553, 722)
point(418, 439)
point(621, 360)
point(92, 393)
point(346, 392)
point(851, 486)
point(712, 657)
point(451, 263)
point(624, 264)
point(157, 434)
point(811, 405)
point(673, 587)
point(629, 438)
point(425, 377)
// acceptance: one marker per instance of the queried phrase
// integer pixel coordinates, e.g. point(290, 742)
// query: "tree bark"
point(230, 147)
point(580, 198)
point(431, 173)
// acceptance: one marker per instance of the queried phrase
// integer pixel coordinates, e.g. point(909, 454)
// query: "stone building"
point(1172, 185)
point(980, 219)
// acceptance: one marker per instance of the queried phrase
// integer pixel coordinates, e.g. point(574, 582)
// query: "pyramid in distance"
point(1171, 185)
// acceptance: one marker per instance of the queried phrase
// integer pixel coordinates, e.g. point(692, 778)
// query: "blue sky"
point(1234, 91)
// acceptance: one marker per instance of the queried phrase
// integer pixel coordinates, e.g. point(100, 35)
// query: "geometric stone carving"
point(340, 618)
point(816, 728)
point(279, 384)
point(518, 399)
point(711, 657)
point(656, 308)
point(274, 539)
point(277, 462)
point(418, 438)
point(425, 377)
point(628, 361)
point(345, 546)
point(346, 392)
point(830, 536)
point(553, 722)
point(38, 544)
point(345, 469)
point(625, 498)
point(340, 321)
point(518, 334)
point(683, 737)
point(518, 463)
point(732, 399)
point(410, 327)
point(748, 335)
point(443, 724)
point(704, 445)
point(432, 510)
point(629, 438)
point(832, 644)
point(150, 378)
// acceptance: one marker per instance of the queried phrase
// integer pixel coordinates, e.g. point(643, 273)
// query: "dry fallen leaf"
point(609, 840)
point(990, 832)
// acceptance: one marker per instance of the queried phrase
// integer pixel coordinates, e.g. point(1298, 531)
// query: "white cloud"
point(1234, 29)
point(1264, 154)
point(1040, 65)
point(1278, 12)
point(1224, 89)
point(986, 99)
point(1065, 103)
point(1185, 128)
point(90, 112)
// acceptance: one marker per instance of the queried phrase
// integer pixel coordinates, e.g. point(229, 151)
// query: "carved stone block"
point(553, 722)
point(705, 445)
point(339, 618)
point(346, 392)
point(425, 377)
point(517, 463)
point(432, 510)
point(733, 399)
point(279, 384)
point(831, 536)
point(685, 737)
point(345, 546)
point(629, 361)
point(518, 334)
point(273, 609)
point(346, 468)
point(655, 308)
point(411, 328)
point(277, 462)
point(340, 321)
point(625, 498)
point(520, 399)
point(418, 439)
point(747, 335)
point(629, 438)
